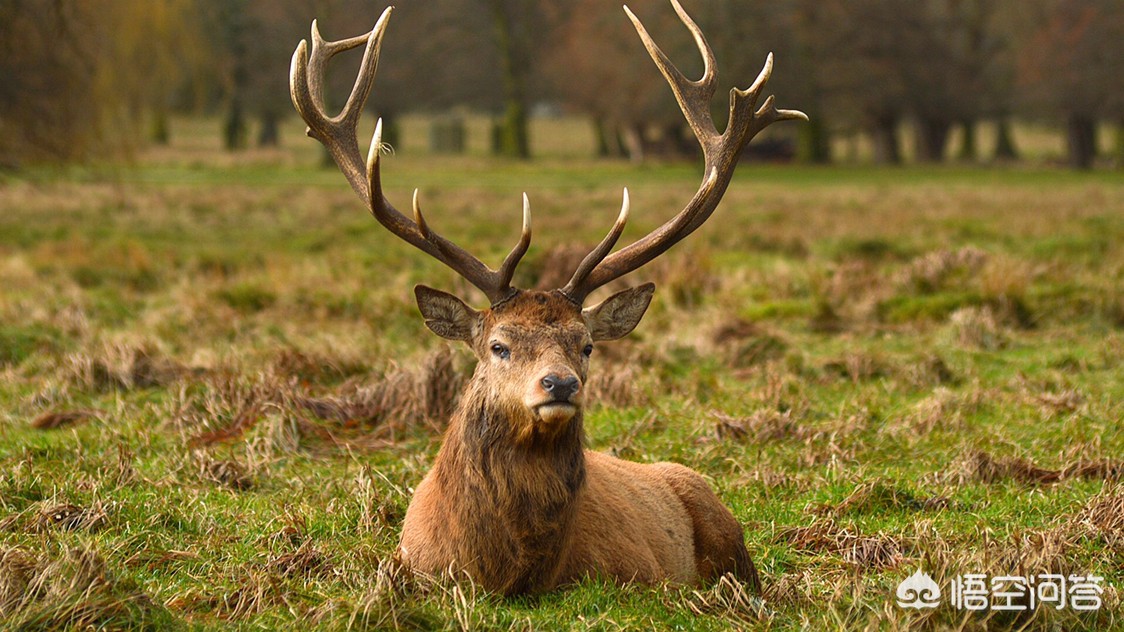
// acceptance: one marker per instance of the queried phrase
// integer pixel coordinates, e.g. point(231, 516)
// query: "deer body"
point(513, 498)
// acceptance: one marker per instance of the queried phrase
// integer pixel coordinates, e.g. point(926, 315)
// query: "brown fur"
point(515, 500)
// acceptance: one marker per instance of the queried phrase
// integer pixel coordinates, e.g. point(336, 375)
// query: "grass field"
point(216, 393)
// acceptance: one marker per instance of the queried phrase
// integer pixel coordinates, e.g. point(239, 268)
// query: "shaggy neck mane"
point(510, 498)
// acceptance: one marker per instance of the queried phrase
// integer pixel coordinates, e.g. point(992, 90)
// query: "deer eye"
point(588, 351)
point(500, 351)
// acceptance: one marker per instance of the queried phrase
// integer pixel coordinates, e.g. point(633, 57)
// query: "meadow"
point(216, 393)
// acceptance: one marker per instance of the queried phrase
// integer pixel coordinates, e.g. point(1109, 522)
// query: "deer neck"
point(511, 499)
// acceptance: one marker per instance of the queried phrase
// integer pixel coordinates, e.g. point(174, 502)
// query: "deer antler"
point(720, 152)
point(338, 135)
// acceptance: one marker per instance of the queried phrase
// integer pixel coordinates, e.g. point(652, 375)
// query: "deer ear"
point(619, 314)
point(446, 315)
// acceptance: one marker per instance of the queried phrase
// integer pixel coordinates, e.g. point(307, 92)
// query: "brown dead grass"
point(730, 600)
point(983, 467)
point(71, 517)
point(364, 413)
point(760, 427)
point(305, 562)
point(874, 552)
point(878, 496)
point(74, 590)
point(51, 420)
point(930, 272)
point(1104, 515)
point(123, 367)
point(225, 472)
point(978, 328)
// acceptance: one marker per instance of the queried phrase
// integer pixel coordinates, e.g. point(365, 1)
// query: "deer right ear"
point(619, 314)
point(446, 315)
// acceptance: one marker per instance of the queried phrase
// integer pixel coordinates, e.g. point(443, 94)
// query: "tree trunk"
point(1118, 151)
point(270, 133)
point(513, 137)
point(814, 144)
point(391, 130)
point(1081, 140)
point(932, 138)
point(969, 150)
point(160, 131)
point(1004, 140)
point(234, 127)
point(602, 137)
point(609, 143)
point(633, 140)
point(884, 132)
point(678, 143)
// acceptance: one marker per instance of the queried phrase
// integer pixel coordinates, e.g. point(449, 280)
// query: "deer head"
point(534, 347)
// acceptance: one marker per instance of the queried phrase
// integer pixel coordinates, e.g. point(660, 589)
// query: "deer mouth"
point(554, 413)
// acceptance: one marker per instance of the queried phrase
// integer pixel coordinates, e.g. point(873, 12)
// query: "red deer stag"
point(513, 498)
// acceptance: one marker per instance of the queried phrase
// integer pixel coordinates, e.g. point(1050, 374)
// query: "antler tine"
point(507, 268)
point(721, 152)
point(306, 86)
point(338, 135)
point(599, 253)
point(691, 95)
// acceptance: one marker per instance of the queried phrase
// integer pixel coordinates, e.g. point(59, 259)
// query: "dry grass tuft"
point(389, 603)
point(376, 511)
point(440, 383)
point(977, 328)
point(313, 367)
point(227, 473)
point(122, 367)
point(982, 467)
point(930, 371)
point(859, 366)
point(426, 396)
point(877, 496)
point(943, 410)
point(685, 280)
point(1099, 470)
point(257, 591)
point(17, 569)
point(729, 599)
point(931, 271)
point(60, 419)
point(1104, 515)
point(554, 267)
point(741, 343)
point(70, 517)
point(306, 562)
point(618, 386)
point(74, 591)
point(876, 552)
point(849, 293)
point(1055, 404)
point(761, 426)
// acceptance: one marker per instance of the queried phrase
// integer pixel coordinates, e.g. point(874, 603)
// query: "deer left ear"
point(446, 315)
point(619, 314)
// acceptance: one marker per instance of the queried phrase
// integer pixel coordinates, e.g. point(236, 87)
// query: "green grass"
point(878, 370)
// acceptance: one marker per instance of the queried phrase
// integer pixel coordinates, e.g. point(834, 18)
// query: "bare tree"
point(1069, 68)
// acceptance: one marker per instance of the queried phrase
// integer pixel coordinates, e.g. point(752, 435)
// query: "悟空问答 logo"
point(919, 591)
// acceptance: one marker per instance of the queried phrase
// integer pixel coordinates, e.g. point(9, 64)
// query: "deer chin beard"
point(554, 414)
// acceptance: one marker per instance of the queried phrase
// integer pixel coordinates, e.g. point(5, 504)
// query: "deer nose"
point(561, 388)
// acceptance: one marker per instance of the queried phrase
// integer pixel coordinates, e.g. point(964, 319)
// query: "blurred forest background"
point(883, 80)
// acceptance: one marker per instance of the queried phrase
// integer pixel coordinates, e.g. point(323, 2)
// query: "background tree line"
point(83, 78)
